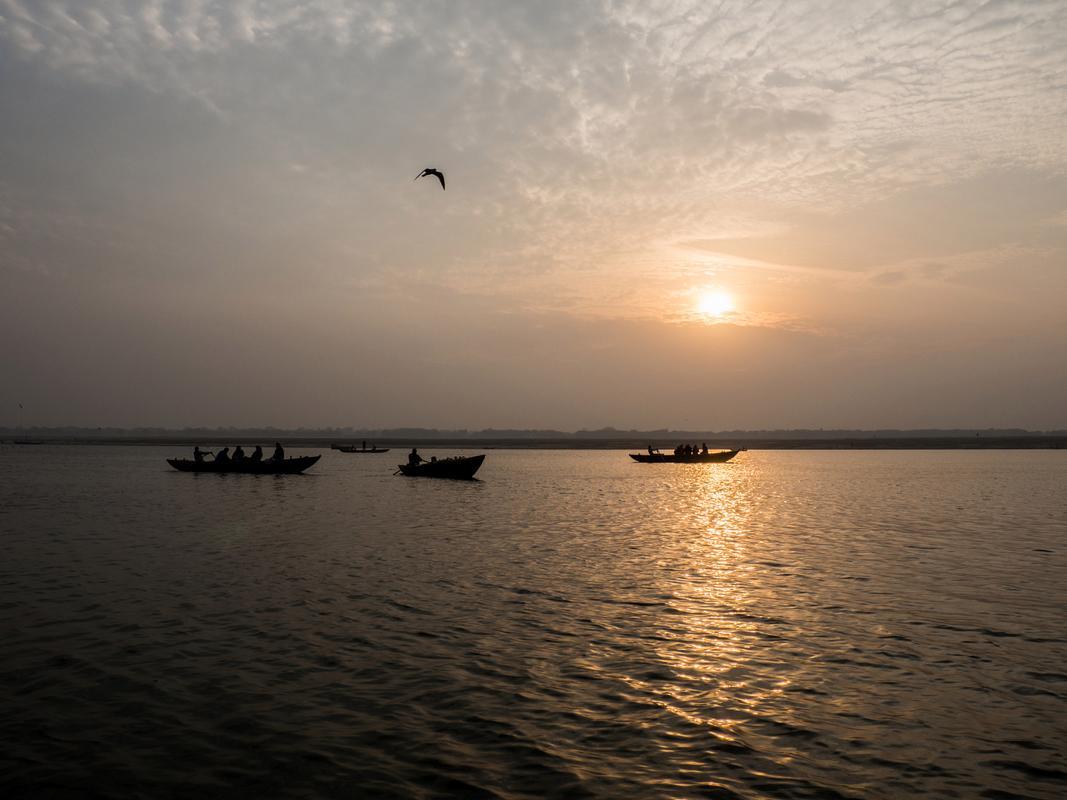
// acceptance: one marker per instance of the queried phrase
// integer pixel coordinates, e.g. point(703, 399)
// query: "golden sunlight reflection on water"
point(716, 597)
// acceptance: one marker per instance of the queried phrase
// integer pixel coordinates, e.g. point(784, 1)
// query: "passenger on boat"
point(703, 448)
point(687, 450)
point(238, 453)
point(679, 450)
point(223, 456)
point(257, 454)
point(279, 453)
point(650, 451)
point(414, 459)
point(198, 454)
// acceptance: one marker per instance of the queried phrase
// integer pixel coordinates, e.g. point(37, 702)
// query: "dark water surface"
point(790, 624)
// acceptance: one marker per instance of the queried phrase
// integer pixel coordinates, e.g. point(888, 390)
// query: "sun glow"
point(715, 303)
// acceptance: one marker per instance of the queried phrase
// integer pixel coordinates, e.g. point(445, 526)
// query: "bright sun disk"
point(715, 303)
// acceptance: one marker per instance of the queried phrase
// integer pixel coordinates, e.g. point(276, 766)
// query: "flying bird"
point(435, 172)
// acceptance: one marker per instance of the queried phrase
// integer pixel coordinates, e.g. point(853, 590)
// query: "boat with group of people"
point(685, 454)
point(455, 468)
point(240, 462)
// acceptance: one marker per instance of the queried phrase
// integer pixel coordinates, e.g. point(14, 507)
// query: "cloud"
point(985, 213)
point(603, 157)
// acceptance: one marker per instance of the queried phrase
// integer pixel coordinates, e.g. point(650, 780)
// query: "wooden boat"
point(246, 466)
point(696, 458)
point(458, 468)
point(351, 448)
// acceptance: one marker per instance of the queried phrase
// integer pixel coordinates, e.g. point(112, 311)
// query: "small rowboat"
point(695, 458)
point(288, 466)
point(458, 468)
point(351, 448)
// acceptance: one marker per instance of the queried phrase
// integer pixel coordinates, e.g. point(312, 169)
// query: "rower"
point(198, 454)
point(414, 459)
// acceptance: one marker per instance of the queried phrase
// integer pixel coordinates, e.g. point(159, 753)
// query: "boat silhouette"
point(693, 458)
point(246, 466)
point(458, 468)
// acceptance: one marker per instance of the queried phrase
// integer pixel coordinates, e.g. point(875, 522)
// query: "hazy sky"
point(207, 214)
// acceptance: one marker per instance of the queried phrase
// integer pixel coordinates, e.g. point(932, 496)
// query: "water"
point(790, 624)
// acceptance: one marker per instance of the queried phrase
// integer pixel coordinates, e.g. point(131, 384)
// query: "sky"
point(659, 214)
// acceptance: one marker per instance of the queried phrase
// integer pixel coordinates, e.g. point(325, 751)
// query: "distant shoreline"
point(214, 439)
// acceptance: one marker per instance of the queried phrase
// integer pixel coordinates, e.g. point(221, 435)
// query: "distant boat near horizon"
point(351, 448)
point(246, 466)
point(717, 457)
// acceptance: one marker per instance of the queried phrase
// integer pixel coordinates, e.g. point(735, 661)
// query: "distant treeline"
point(423, 434)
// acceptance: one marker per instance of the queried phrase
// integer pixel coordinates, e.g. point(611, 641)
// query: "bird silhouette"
point(435, 172)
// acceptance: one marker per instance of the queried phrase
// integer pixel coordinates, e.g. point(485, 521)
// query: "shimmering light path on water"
point(805, 624)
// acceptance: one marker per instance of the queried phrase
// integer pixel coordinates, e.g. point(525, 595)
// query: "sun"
point(715, 303)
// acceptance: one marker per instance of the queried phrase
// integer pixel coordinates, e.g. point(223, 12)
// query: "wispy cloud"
point(603, 157)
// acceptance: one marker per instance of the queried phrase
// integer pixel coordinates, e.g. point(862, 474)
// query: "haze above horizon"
point(657, 214)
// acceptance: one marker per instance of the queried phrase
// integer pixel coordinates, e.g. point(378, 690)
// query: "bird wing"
point(419, 175)
point(440, 177)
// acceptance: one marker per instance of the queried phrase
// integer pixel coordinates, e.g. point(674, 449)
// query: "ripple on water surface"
point(801, 624)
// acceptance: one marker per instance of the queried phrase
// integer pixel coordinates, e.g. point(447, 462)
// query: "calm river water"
point(790, 624)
